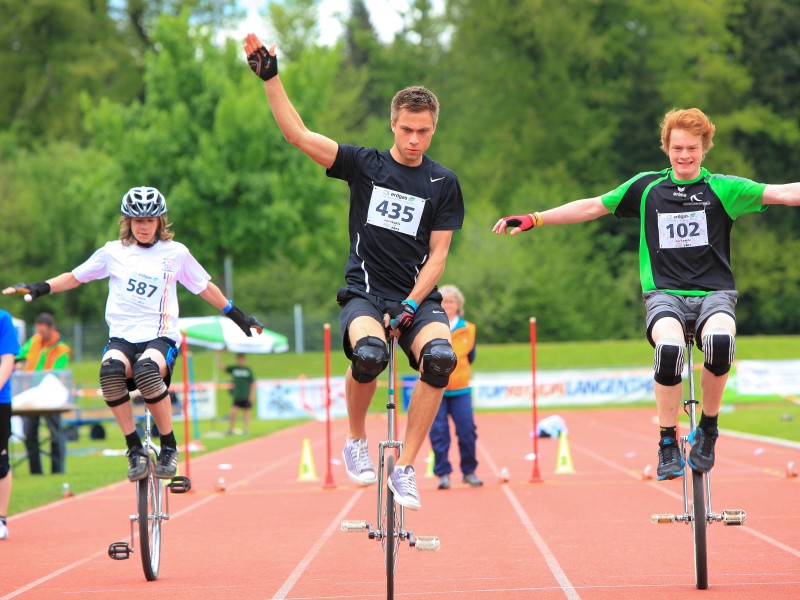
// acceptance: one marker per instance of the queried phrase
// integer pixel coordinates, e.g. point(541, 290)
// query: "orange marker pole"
point(535, 476)
point(327, 344)
point(184, 355)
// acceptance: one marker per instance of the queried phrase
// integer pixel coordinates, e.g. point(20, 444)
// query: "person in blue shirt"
point(9, 348)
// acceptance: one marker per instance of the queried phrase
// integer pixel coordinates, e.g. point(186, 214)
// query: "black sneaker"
point(670, 461)
point(701, 456)
point(138, 463)
point(167, 465)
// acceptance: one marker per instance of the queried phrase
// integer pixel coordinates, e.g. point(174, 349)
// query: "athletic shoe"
point(357, 462)
point(138, 463)
point(472, 480)
point(670, 461)
point(403, 482)
point(167, 465)
point(444, 482)
point(701, 456)
point(3, 531)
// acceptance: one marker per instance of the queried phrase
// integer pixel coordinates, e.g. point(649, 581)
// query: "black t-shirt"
point(393, 210)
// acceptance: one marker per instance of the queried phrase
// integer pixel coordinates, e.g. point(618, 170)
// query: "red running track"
point(584, 535)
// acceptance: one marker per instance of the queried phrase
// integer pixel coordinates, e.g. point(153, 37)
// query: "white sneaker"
point(403, 482)
point(3, 532)
point(357, 463)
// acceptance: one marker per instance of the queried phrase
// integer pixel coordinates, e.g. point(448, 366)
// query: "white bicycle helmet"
point(143, 201)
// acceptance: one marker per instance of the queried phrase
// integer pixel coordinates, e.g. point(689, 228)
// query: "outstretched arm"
point(577, 211)
point(787, 194)
point(60, 283)
point(321, 149)
point(214, 296)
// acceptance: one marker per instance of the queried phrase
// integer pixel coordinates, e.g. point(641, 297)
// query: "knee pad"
point(5, 467)
point(113, 383)
point(719, 348)
point(668, 362)
point(147, 376)
point(438, 361)
point(370, 358)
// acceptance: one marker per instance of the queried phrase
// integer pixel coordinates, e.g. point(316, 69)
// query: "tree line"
point(542, 102)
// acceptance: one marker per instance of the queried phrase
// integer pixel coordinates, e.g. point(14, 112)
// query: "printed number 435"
point(140, 287)
point(393, 212)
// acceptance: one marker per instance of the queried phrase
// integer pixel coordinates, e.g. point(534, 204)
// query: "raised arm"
point(577, 211)
point(787, 194)
point(264, 63)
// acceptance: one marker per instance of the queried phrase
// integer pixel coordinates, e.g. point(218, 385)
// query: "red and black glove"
point(401, 317)
point(40, 288)
point(263, 63)
point(524, 222)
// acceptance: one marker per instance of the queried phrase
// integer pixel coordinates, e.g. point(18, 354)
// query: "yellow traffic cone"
point(308, 471)
point(429, 467)
point(564, 459)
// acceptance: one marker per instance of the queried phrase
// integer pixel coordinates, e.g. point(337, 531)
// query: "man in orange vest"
point(457, 400)
point(45, 351)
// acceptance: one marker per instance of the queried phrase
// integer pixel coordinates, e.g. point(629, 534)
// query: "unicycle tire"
point(699, 523)
point(149, 495)
point(391, 537)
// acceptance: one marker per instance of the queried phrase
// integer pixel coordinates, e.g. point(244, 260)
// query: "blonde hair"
point(453, 291)
point(692, 120)
point(163, 233)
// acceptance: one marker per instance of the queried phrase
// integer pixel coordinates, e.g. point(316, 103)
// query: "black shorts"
point(133, 351)
point(5, 428)
point(242, 403)
point(357, 303)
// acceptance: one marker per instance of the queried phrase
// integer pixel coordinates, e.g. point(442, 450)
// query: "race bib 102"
point(395, 211)
point(682, 230)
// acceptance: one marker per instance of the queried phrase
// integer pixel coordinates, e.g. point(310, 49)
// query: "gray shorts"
point(688, 309)
point(357, 303)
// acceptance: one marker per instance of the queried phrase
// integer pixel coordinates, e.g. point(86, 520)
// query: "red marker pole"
point(327, 344)
point(186, 392)
point(535, 476)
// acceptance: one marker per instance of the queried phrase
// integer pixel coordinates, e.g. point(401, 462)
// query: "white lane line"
point(661, 488)
point(198, 504)
point(552, 562)
point(303, 564)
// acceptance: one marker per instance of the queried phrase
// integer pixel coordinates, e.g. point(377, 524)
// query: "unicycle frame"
point(701, 512)
point(698, 514)
point(152, 507)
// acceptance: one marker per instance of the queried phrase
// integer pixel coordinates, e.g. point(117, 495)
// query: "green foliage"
point(543, 101)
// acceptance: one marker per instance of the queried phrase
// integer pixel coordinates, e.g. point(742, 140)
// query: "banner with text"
point(297, 398)
point(765, 377)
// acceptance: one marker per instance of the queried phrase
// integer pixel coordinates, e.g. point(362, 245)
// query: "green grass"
point(88, 469)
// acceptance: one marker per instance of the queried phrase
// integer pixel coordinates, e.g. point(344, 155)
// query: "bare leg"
point(246, 420)
point(5, 493)
point(162, 410)
point(359, 395)
point(232, 419)
point(714, 385)
point(425, 399)
point(668, 397)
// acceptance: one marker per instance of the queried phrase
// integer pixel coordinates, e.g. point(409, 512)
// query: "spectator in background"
point(457, 401)
point(242, 390)
point(45, 351)
point(9, 346)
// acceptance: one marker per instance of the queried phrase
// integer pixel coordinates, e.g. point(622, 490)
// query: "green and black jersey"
point(685, 233)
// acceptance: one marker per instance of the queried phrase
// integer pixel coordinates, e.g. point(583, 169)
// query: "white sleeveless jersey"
point(142, 294)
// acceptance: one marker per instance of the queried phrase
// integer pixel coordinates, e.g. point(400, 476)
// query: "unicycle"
point(152, 506)
point(699, 514)
point(390, 529)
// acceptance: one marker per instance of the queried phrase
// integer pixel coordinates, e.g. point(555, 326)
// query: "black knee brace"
point(719, 348)
point(5, 467)
point(438, 361)
point(147, 376)
point(113, 383)
point(370, 358)
point(668, 362)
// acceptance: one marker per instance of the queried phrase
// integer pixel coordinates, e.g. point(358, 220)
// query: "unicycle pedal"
point(179, 484)
point(733, 516)
point(120, 550)
point(658, 519)
point(354, 526)
point(425, 543)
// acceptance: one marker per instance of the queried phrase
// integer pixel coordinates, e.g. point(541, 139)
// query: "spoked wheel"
point(149, 496)
point(699, 523)
point(391, 539)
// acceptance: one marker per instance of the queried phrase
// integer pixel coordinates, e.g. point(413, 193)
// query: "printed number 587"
point(140, 287)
